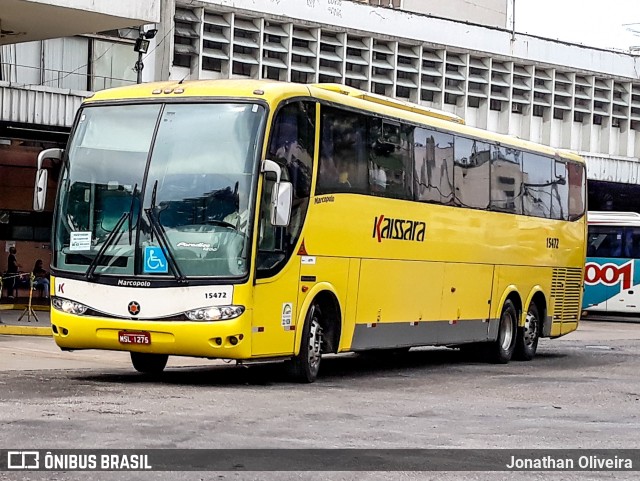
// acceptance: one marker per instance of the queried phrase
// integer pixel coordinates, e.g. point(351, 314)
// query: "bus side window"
point(575, 172)
point(612, 245)
point(632, 244)
point(391, 159)
point(343, 152)
point(471, 172)
point(433, 166)
point(537, 171)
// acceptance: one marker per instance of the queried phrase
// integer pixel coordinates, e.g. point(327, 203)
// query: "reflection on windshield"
point(198, 188)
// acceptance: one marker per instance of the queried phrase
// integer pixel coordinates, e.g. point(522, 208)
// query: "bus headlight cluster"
point(218, 313)
point(70, 307)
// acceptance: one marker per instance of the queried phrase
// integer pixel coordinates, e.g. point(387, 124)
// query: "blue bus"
point(612, 270)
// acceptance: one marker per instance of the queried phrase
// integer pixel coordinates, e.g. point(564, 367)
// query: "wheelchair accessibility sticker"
point(154, 260)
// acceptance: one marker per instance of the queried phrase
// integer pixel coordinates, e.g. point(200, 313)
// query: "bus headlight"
point(217, 313)
point(70, 307)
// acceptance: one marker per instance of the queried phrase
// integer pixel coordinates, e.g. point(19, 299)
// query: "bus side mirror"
point(42, 176)
point(281, 201)
point(40, 191)
point(281, 196)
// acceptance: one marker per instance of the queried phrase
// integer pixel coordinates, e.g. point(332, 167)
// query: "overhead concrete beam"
point(28, 20)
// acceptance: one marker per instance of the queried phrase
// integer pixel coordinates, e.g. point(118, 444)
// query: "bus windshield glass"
point(159, 190)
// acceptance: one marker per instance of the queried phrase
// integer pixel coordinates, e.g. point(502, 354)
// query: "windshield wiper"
point(133, 196)
point(156, 227)
point(112, 236)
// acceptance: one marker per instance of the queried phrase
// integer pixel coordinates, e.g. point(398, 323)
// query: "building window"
point(182, 60)
point(77, 63)
point(427, 95)
point(538, 111)
point(495, 105)
point(558, 114)
point(473, 102)
point(243, 69)
point(214, 64)
point(403, 92)
point(379, 89)
point(299, 77)
point(356, 84)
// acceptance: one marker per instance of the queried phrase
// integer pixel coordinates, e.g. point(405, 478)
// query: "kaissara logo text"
point(399, 229)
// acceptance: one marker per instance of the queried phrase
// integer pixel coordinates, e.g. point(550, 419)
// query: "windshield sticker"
point(80, 241)
point(155, 262)
point(287, 314)
point(198, 245)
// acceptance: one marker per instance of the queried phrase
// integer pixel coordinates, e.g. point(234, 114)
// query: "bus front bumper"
point(228, 339)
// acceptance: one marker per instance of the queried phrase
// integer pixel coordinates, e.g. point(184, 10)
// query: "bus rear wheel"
point(501, 350)
point(306, 365)
point(149, 363)
point(528, 335)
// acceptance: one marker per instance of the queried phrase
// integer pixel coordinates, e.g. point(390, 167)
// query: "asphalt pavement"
point(582, 391)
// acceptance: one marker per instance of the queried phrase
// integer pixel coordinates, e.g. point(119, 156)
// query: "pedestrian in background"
point(41, 278)
point(12, 271)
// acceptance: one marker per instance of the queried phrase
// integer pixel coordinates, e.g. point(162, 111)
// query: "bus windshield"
point(159, 190)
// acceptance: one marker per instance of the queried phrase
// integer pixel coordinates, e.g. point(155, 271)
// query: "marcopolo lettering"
point(398, 229)
point(130, 283)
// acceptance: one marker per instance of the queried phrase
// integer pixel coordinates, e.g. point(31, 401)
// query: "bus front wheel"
point(149, 363)
point(528, 335)
point(305, 366)
point(502, 349)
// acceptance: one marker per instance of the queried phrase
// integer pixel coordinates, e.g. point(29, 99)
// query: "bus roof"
point(389, 102)
point(613, 218)
point(274, 91)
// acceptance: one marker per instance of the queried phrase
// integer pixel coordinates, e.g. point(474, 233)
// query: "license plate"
point(140, 337)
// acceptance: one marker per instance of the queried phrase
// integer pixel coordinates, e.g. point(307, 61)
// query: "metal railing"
point(28, 311)
point(15, 74)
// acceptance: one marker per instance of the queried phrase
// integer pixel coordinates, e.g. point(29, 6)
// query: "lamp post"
point(142, 47)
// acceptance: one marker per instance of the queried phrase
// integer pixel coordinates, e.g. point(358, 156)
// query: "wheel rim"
point(530, 329)
point(507, 331)
point(315, 344)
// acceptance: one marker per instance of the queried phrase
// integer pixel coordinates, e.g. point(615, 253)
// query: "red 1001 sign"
point(609, 274)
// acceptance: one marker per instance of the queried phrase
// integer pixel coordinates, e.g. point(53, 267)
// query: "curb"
point(11, 330)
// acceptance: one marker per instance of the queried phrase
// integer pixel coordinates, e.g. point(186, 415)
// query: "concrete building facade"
point(559, 94)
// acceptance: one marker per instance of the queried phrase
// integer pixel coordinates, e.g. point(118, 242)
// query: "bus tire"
point(149, 363)
point(501, 350)
point(528, 335)
point(306, 365)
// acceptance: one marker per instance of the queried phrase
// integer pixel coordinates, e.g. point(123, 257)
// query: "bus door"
point(276, 309)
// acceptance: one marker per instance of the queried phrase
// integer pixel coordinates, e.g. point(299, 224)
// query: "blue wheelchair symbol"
point(155, 261)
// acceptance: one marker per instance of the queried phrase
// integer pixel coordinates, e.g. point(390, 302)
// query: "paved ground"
point(582, 391)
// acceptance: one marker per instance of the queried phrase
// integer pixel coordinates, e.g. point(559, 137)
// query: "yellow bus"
point(255, 220)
